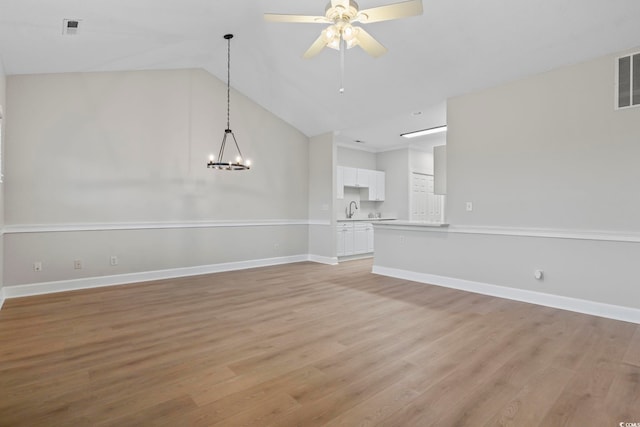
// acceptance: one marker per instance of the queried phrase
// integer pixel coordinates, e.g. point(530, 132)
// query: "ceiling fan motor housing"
point(340, 13)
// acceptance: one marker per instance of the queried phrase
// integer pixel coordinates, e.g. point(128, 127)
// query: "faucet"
point(350, 213)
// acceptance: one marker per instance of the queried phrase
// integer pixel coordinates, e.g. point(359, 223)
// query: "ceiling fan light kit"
point(240, 163)
point(342, 34)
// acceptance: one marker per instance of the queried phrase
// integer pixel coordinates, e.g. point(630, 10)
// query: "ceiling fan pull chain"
point(342, 49)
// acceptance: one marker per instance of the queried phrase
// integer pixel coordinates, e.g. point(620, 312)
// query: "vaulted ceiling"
point(453, 48)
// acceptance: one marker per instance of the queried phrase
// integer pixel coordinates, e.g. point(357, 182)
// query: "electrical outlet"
point(469, 206)
point(77, 264)
point(37, 266)
point(114, 260)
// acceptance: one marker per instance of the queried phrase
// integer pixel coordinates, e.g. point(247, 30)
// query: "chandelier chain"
point(228, 80)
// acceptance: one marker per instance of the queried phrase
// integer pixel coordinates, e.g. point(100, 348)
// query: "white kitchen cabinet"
point(370, 192)
point(362, 178)
point(345, 239)
point(354, 238)
point(375, 192)
point(370, 182)
point(360, 238)
point(380, 185)
point(350, 177)
point(369, 237)
point(353, 177)
point(440, 169)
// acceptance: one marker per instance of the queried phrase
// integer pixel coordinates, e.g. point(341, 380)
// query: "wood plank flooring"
point(309, 345)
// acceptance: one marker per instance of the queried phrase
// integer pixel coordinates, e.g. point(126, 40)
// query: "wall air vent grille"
point(70, 27)
point(628, 81)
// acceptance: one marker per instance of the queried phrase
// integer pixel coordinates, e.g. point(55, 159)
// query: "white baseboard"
point(2, 297)
point(610, 311)
point(146, 276)
point(367, 255)
point(323, 259)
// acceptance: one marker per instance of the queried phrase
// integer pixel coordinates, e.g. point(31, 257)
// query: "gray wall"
point(3, 104)
point(552, 171)
point(356, 158)
point(322, 155)
point(421, 161)
point(131, 148)
point(548, 151)
point(396, 165)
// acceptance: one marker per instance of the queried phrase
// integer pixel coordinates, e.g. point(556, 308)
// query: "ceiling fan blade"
point(308, 19)
point(369, 44)
point(390, 11)
point(316, 47)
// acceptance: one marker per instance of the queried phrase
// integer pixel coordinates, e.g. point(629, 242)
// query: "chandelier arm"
point(221, 152)
point(237, 147)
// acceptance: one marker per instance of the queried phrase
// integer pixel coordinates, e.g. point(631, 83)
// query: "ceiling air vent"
point(70, 27)
point(628, 81)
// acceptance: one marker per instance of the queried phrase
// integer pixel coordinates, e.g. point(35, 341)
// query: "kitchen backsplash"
point(364, 207)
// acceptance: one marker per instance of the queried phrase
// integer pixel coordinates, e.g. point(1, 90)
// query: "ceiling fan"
point(341, 34)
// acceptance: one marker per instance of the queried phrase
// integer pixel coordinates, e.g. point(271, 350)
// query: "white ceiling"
point(453, 48)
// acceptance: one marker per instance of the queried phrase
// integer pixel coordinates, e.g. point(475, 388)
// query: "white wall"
point(552, 171)
point(131, 148)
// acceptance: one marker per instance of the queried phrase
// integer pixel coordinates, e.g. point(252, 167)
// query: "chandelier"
point(240, 163)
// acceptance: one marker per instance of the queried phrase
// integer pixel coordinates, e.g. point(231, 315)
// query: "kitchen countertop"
point(365, 219)
point(405, 223)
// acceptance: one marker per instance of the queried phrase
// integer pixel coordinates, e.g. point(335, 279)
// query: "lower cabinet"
point(345, 239)
point(354, 238)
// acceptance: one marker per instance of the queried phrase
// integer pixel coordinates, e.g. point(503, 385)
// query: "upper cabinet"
point(350, 176)
point(353, 177)
point(375, 192)
point(371, 182)
point(362, 178)
point(440, 169)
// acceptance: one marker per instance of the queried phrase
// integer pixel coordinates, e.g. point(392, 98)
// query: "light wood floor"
point(309, 345)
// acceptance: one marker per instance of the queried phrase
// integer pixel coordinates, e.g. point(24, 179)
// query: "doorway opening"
point(425, 205)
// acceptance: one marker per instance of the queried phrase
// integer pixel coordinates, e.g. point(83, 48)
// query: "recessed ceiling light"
point(423, 132)
point(416, 113)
